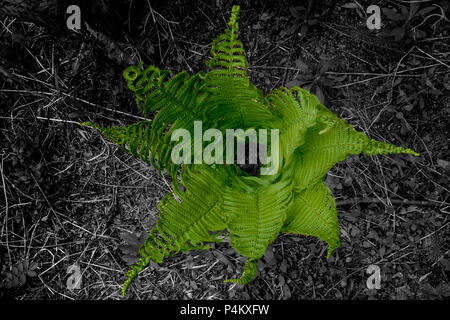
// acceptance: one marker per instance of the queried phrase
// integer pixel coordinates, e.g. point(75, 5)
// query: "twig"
point(433, 58)
point(6, 212)
point(43, 93)
point(42, 118)
point(393, 201)
point(430, 234)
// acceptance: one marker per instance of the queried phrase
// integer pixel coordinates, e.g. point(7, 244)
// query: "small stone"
point(443, 163)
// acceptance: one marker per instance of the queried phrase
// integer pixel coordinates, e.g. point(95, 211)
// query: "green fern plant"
point(253, 209)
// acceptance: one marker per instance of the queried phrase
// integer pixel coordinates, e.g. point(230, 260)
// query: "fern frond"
point(185, 224)
point(330, 141)
point(199, 210)
point(255, 215)
point(375, 147)
point(313, 213)
point(142, 82)
point(296, 111)
point(134, 139)
point(324, 150)
point(234, 100)
point(177, 102)
point(249, 273)
point(228, 58)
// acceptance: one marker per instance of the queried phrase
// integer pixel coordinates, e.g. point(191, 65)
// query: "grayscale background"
point(68, 197)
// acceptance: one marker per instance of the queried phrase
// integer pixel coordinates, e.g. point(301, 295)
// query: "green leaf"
point(198, 210)
point(184, 223)
point(329, 142)
point(255, 215)
point(313, 213)
point(232, 98)
point(296, 111)
point(249, 272)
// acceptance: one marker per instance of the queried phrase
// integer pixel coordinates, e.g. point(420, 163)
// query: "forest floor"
point(70, 198)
